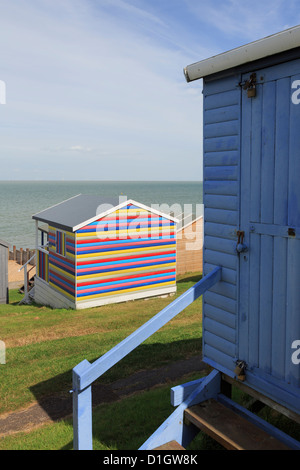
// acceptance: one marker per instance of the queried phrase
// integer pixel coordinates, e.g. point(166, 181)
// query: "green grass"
point(134, 419)
point(43, 344)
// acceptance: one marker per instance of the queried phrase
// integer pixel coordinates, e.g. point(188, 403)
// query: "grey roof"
point(68, 214)
point(80, 210)
point(3, 243)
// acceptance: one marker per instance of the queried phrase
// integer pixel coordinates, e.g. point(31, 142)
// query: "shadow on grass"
point(146, 367)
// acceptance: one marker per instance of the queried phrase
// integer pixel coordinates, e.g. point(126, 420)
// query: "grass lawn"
point(43, 344)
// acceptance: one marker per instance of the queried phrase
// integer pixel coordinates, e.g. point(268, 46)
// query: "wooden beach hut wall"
point(4, 296)
point(251, 101)
point(103, 252)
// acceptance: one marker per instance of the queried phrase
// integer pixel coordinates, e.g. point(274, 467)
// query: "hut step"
point(172, 445)
point(229, 429)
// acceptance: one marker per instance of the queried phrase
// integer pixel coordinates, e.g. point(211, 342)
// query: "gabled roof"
point(83, 209)
point(268, 46)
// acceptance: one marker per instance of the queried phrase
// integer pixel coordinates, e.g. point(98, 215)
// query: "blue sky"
point(95, 88)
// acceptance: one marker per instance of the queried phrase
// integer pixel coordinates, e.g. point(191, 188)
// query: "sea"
point(19, 200)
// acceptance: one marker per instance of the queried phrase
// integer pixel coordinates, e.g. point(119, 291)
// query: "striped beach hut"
point(101, 252)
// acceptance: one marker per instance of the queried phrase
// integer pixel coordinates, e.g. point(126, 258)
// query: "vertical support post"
point(25, 283)
point(82, 411)
point(37, 247)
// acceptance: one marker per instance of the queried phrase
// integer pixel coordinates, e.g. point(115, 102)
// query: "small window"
point(60, 243)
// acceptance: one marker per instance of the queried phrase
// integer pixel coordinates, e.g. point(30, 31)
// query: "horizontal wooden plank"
point(218, 359)
point(229, 188)
point(219, 329)
point(220, 259)
point(221, 202)
point(276, 230)
point(220, 173)
point(220, 344)
point(221, 316)
point(230, 157)
point(220, 230)
point(225, 303)
point(221, 244)
point(228, 275)
point(221, 216)
point(180, 392)
point(227, 113)
point(231, 430)
point(220, 129)
point(219, 100)
point(221, 144)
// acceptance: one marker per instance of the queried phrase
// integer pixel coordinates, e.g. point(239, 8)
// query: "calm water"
point(19, 200)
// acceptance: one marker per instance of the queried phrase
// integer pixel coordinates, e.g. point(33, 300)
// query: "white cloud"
point(102, 82)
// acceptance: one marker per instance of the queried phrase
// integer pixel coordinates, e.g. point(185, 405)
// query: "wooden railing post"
point(82, 411)
point(85, 373)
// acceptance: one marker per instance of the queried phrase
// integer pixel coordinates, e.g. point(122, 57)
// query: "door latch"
point(250, 86)
point(241, 246)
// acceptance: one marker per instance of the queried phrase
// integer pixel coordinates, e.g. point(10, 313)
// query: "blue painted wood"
point(82, 411)
point(252, 184)
point(269, 301)
point(174, 428)
point(181, 392)
point(109, 359)
point(221, 217)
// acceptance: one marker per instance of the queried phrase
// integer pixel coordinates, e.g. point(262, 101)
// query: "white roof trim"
point(190, 223)
point(270, 45)
point(115, 208)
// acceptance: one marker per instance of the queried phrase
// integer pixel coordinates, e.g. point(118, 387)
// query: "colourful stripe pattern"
point(127, 251)
point(62, 266)
point(60, 243)
point(43, 266)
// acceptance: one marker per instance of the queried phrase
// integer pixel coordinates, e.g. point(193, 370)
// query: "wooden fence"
point(21, 256)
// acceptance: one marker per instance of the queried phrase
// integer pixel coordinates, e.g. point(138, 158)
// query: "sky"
point(95, 90)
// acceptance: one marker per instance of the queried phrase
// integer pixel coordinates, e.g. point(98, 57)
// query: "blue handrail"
point(85, 373)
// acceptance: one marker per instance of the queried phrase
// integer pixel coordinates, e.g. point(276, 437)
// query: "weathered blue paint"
point(180, 393)
point(251, 183)
point(84, 374)
point(82, 411)
point(174, 428)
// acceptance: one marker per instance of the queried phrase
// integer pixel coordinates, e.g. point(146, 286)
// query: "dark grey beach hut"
point(3, 272)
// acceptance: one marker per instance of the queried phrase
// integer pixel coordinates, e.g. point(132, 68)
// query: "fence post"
point(82, 411)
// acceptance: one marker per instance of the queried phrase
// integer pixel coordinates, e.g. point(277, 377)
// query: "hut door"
point(269, 275)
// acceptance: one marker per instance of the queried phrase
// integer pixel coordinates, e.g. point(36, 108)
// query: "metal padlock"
point(251, 92)
point(240, 370)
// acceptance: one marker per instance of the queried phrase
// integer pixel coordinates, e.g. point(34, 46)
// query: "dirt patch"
point(16, 276)
point(58, 407)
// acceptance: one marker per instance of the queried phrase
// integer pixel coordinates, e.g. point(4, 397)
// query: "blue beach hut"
point(251, 257)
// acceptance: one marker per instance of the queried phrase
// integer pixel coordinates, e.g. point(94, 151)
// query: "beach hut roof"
point(3, 243)
point(260, 49)
point(80, 210)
